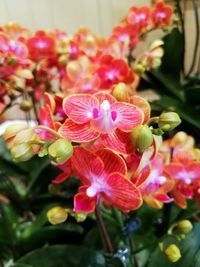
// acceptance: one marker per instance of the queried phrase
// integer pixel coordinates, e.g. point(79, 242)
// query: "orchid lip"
point(104, 118)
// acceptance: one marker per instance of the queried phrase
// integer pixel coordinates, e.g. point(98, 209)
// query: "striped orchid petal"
point(122, 193)
point(78, 132)
point(79, 108)
point(128, 116)
point(112, 161)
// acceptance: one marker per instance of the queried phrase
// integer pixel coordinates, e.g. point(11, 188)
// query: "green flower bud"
point(13, 129)
point(57, 215)
point(184, 227)
point(26, 105)
point(60, 150)
point(79, 216)
point(168, 121)
point(22, 152)
point(173, 253)
point(141, 138)
point(139, 68)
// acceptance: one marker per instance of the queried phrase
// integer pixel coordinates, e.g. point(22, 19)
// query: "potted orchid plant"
point(97, 180)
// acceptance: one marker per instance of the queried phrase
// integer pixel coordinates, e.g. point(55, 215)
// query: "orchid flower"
point(186, 173)
point(103, 176)
point(99, 115)
point(161, 14)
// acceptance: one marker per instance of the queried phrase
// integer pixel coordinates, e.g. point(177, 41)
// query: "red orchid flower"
point(99, 115)
point(41, 46)
point(102, 175)
point(186, 173)
point(161, 14)
point(113, 71)
point(139, 17)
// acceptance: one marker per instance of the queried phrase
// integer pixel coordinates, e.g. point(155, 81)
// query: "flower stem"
point(45, 128)
point(104, 232)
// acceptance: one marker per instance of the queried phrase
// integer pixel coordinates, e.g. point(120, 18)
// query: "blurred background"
point(98, 15)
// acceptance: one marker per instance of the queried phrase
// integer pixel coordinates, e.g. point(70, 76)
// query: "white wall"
point(68, 15)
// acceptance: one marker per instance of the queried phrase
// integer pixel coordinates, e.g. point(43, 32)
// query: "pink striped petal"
point(79, 108)
point(117, 141)
point(128, 116)
point(83, 203)
point(78, 132)
point(87, 164)
point(122, 193)
point(104, 96)
point(112, 161)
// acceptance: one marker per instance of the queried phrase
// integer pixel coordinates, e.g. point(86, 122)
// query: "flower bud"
point(63, 59)
point(13, 129)
point(121, 92)
point(184, 227)
point(168, 121)
point(139, 68)
point(26, 135)
point(24, 73)
point(26, 105)
point(57, 215)
point(141, 138)
point(79, 216)
point(60, 150)
point(173, 253)
point(22, 152)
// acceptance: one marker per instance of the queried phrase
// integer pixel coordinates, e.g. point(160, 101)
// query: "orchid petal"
point(122, 193)
point(88, 165)
point(143, 105)
point(83, 203)
point(78, 132)
point(112, 161)
point(128, 116)
point(117, 141)
point(79, 108)
point(103, 96)
point(60, 178)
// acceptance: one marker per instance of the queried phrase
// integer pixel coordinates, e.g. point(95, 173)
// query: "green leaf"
point(168, 85)
point(193, 94)
point(172, 61)
point(63, 256)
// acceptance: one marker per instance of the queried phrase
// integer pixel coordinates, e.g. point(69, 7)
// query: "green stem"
point(104, 232)
point(153, 120)
point(45, 128)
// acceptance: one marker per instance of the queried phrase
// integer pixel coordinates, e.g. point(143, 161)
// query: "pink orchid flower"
point(186, 173)
point(99, 115)
point(103, 176)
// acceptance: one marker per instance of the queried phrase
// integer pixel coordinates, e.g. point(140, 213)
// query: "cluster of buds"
point(180, 229)
point(177, 230)
point(142, 135)
point(22, 141)
point(57, 215)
